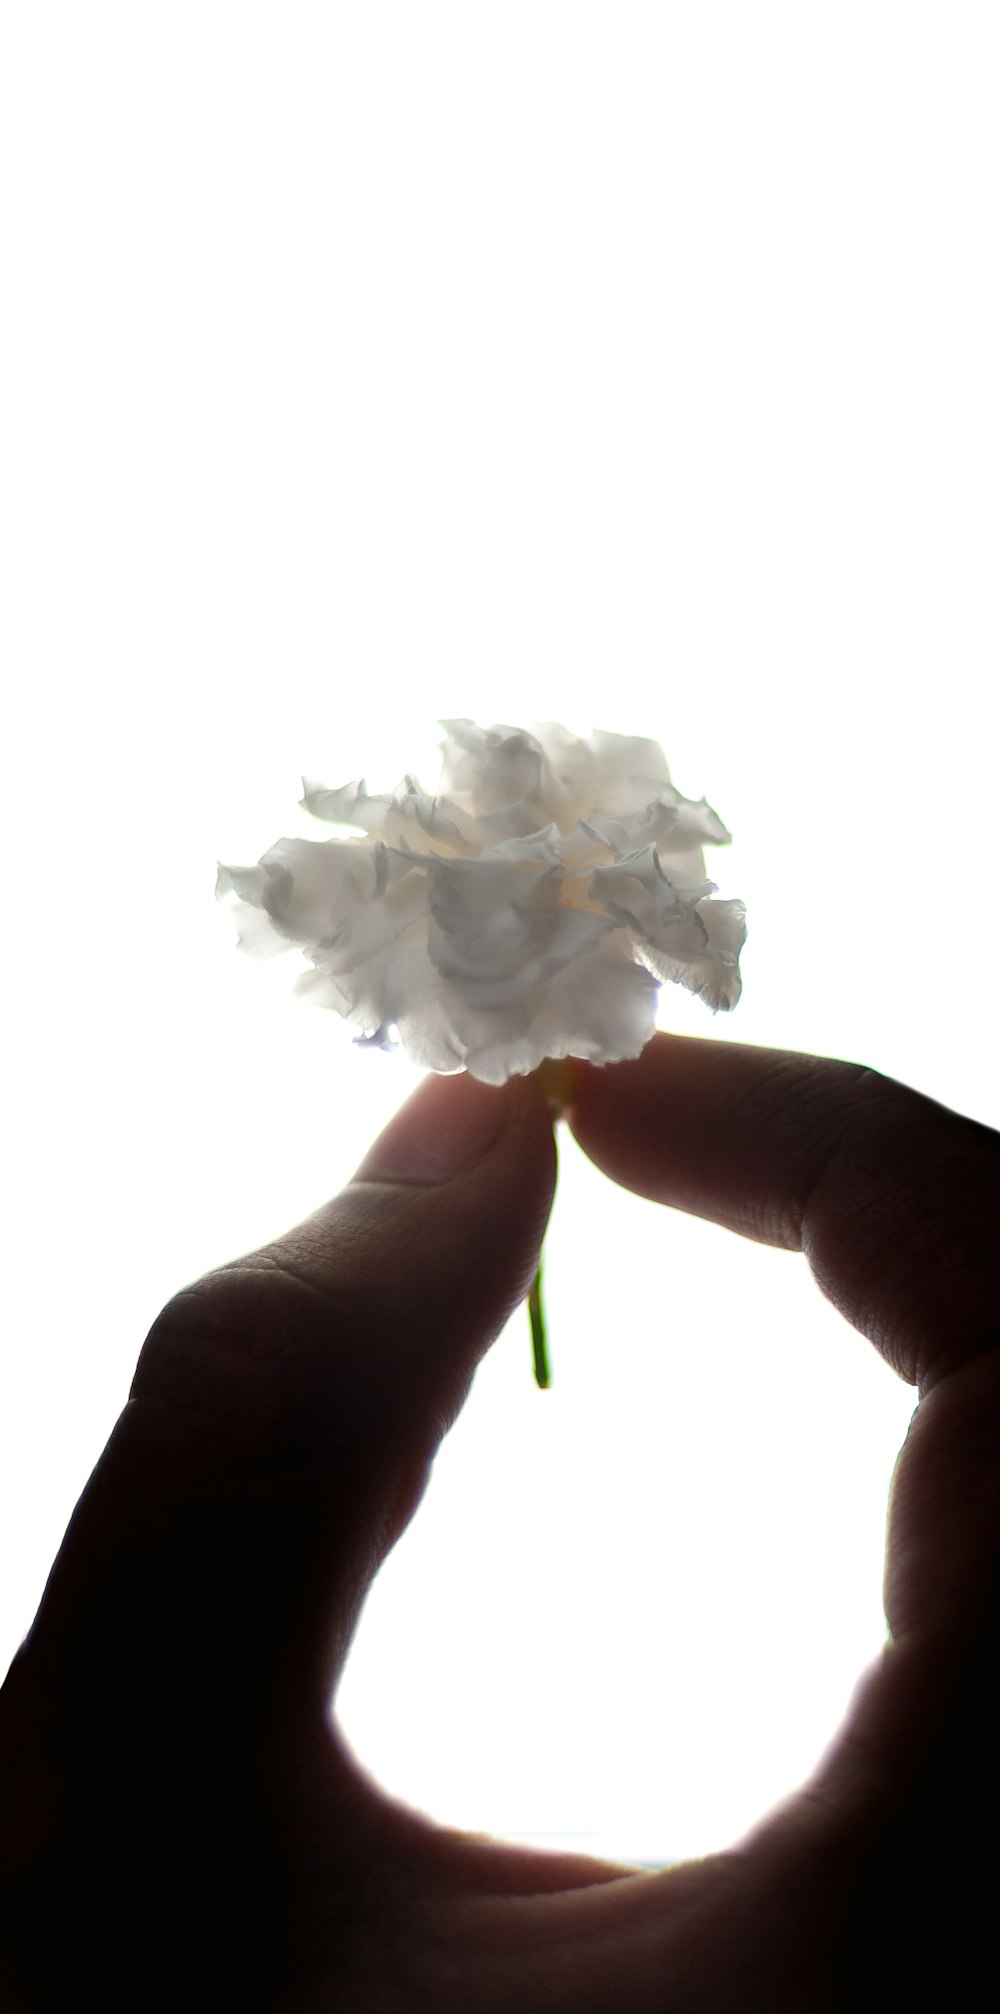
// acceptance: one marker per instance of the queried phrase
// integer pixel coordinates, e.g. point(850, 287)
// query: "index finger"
point(893, 1199)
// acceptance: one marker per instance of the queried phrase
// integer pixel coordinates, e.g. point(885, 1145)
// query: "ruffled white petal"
point(529, 911)
point(701, 951)
point(350, 805)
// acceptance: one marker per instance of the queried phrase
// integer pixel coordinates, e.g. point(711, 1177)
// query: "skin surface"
point(179, 1824)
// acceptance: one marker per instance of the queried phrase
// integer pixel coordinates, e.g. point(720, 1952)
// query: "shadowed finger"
point(893, 1200)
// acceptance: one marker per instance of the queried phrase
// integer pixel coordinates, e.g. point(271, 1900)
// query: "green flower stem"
point(555, 1080)
point(539, 1345)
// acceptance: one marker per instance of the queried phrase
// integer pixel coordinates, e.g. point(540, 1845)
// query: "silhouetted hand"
point(180, 1825)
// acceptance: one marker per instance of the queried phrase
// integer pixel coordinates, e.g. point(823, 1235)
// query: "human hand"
point(181, 1824)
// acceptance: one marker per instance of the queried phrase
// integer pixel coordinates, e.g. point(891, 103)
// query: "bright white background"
point(632, 366)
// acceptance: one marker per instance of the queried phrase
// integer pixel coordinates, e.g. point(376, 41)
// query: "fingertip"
point(449, 1126)
point(623, 1115)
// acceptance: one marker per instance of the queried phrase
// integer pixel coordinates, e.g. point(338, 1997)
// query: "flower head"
point(529, 910)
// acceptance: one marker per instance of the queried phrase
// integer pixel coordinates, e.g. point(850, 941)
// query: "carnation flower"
point(530, 910)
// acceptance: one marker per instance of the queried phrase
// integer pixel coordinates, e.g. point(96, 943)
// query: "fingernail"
point(445, 1129)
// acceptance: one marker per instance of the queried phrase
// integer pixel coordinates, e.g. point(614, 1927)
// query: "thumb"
point(284, 1414)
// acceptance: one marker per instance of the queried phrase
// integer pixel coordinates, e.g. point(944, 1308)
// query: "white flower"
point(528, 911)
